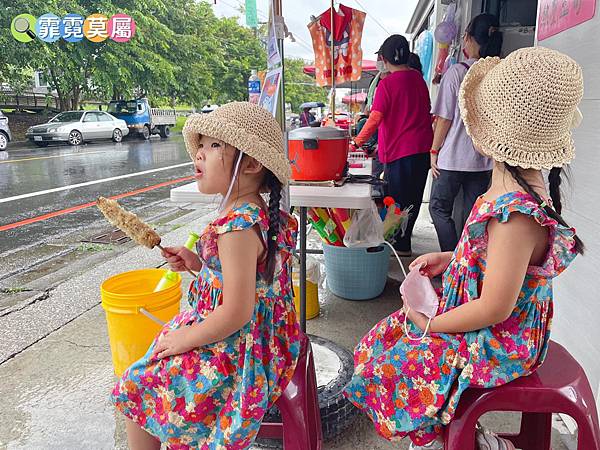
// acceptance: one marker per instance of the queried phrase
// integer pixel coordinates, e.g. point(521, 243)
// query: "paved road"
point(40, 187)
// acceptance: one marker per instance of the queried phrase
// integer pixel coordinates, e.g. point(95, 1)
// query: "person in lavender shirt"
point(454, 162)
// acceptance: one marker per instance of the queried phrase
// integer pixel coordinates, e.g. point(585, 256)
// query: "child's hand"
point(180, 258)
point(173, 342)
point(420, 320)
point(433, 263)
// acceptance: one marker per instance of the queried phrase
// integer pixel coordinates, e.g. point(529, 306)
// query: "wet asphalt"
point(30, 172)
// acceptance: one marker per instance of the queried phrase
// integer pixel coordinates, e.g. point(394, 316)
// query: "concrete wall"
point(577, 291)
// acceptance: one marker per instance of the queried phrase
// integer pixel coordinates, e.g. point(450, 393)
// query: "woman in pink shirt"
point(401, 115)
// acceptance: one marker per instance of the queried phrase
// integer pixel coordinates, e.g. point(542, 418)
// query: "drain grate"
point(112, 237)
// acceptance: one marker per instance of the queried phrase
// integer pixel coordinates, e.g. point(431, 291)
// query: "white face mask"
point(380, 65)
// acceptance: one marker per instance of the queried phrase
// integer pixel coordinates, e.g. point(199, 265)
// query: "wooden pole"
point(280, 116)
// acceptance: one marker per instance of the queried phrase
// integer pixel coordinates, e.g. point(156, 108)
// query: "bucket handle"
point(151, 316)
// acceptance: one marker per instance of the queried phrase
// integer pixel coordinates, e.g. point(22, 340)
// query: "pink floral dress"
point(413, 388)
point(215, 396)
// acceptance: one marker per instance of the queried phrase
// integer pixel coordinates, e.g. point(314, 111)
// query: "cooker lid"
point(320, 133)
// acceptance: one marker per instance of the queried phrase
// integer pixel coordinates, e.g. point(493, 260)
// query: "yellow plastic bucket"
point(124, 297)
point(312, 291)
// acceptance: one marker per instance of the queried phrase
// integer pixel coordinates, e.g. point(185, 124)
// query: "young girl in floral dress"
point(493, 321)
point(213, 371)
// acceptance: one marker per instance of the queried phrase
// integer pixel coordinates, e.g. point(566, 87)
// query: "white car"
point(5, 135)
point(76, 127)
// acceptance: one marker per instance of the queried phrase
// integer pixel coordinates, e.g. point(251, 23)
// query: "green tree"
point(241, 51)
point(181, 53)
point(300, 87)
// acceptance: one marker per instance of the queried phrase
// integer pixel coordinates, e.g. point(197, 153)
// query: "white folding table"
point(350, 196)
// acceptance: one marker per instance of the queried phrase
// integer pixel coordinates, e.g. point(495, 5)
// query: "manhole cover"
point(111, 237)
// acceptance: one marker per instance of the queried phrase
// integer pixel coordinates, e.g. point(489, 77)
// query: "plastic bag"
point(366, 229)
point(313, 271)
point(396, 221)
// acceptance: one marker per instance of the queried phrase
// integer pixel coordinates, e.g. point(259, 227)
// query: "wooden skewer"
point(188, 270)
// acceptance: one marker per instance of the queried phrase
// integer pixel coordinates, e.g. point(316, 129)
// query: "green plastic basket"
point(356, 273)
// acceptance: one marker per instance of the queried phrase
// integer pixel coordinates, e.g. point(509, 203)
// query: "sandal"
point(433, 445)
point(486, 440)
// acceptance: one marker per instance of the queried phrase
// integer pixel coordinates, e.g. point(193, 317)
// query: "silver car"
point(5, 136)
point(76, 127)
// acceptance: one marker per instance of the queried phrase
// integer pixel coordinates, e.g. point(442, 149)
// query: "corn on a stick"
point(130, 224)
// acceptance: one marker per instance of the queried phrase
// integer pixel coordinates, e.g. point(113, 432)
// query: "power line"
point(372, 16)
point(258, 11)
point(230, 6)
point(297, 40)
point(301, 42)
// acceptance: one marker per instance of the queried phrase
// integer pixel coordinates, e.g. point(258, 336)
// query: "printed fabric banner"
point(273, 55)
point(270, 92)
point(251, 14)
point(555, 16)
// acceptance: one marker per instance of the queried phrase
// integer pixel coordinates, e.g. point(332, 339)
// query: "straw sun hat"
point(521, 110)
point(246, 126)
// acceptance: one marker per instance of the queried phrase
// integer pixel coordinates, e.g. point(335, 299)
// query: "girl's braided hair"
point(554, 180)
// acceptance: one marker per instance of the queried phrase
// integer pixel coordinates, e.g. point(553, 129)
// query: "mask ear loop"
point(407, 333)
point(235, 172)
point(405, 325)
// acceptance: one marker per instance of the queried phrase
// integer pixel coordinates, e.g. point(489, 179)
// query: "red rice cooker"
point(318, 153)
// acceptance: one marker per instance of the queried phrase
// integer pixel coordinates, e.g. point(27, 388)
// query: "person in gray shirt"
point(454, 162)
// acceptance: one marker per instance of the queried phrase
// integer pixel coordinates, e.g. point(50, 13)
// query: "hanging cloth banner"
point(273, 55)
point(251, 14)
point(346, 32)
point(270, 92)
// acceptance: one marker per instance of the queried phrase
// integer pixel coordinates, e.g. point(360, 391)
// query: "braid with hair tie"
point(554, 187)
point(274, 187)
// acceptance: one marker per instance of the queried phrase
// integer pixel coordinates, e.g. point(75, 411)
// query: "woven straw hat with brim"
point(246, 126)
point(521, 110)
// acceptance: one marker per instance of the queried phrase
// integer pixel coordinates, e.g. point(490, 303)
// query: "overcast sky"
point(384, 17)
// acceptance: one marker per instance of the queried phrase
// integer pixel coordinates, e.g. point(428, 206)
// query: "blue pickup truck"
point(143, 120)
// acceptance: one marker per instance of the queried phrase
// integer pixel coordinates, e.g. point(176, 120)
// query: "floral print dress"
point(413, 388)
point(214, 397)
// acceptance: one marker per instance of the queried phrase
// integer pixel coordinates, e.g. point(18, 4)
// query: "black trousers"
point(406, 178)
point(445, 189)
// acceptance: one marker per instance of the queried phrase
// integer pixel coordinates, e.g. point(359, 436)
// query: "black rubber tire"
point(75, 138)
point(3, 141)
point(145, 134)
point(164, 131)
point(117, 135)
point(337, 413)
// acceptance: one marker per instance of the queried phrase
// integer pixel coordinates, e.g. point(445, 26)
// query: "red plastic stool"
point(559, 385)
point(299, 407)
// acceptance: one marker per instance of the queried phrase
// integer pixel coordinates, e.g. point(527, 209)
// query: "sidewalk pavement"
point(55, 392)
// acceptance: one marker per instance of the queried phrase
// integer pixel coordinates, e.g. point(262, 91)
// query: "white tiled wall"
point(577, 291)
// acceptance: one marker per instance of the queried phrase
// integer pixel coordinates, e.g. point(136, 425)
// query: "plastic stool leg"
point(313, 412)
point(588, 435)
point(459, 434)
point(536, 431)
